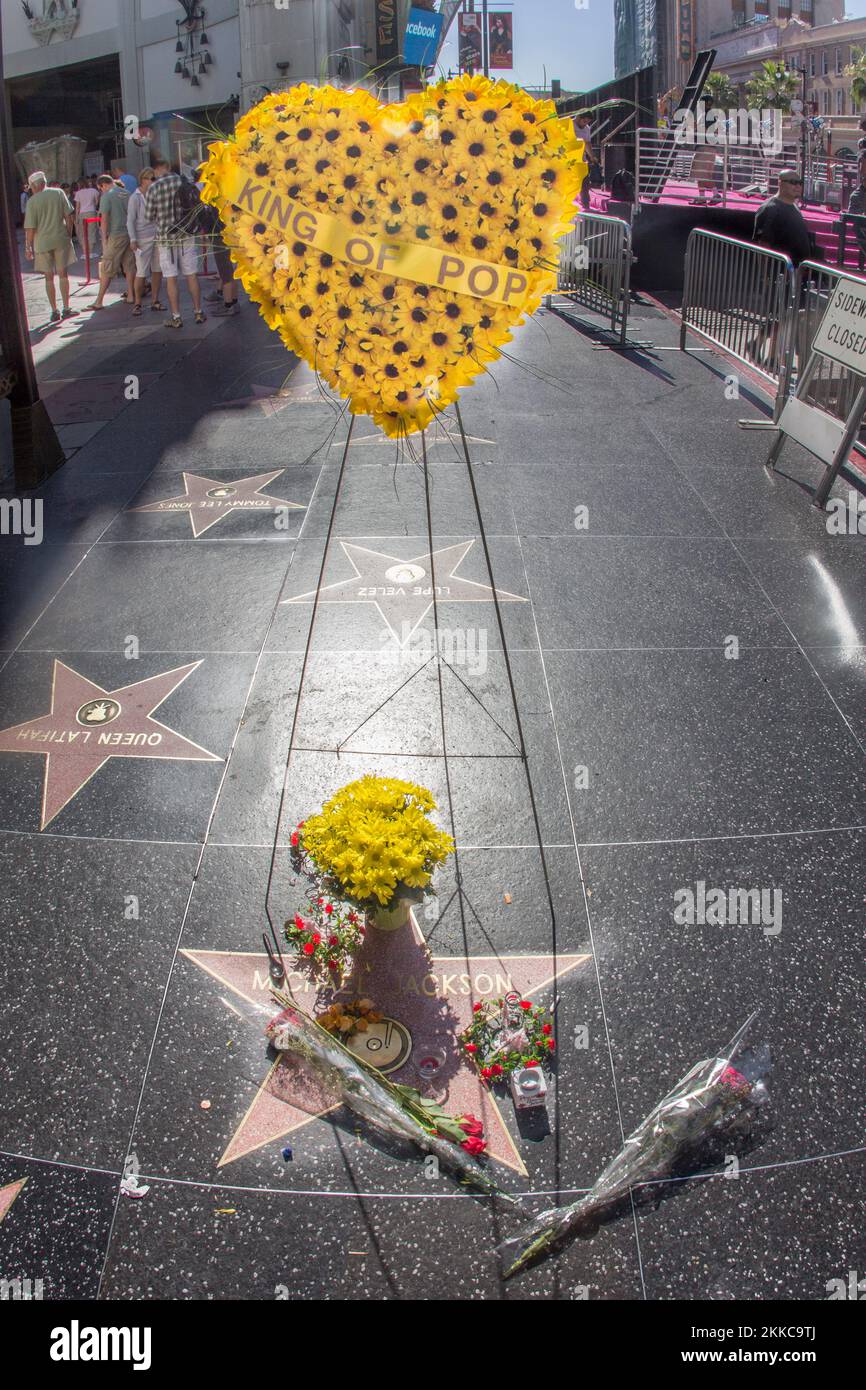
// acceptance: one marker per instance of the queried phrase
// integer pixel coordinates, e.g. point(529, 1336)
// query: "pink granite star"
point(426, 1000)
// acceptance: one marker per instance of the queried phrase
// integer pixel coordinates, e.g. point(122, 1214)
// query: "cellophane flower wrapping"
point(717, 1096)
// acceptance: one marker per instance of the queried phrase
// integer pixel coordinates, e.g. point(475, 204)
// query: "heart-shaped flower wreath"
point(394, 247)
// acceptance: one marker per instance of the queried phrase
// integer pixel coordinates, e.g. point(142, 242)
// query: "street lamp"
point(780, 73)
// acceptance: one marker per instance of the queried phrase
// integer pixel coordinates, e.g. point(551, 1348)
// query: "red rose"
point(328, 909)
point(486, 1072)
point(315, 938)
point(469, 1047)
point(299, 922)
point(309, 948)
point(531, 1063)
point(332, 965)
point(333, 941)
point(476, 1007)
point(300, 822)
point(547, 1029)
point(470, 1125)
point(496, 1069)
point(473, 1145)
point(295, 838)
point(551, 1045)
point(320, 901)
point(525, 1004)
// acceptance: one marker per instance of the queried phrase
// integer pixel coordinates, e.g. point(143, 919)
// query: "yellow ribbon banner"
point(428, 265)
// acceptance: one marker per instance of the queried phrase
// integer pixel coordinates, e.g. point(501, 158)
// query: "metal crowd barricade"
point(739, 296)
point(832, 387)
point(595, 261)
point(669, 166)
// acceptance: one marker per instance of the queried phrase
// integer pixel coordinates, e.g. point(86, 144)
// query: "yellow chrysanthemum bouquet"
point(373, 841)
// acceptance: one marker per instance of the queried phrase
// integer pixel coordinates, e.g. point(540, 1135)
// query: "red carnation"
point(315, 938)
point(496, 1069)
point(333, 941)
point(299, 922)
point(486, 1072)
point(309, 948)
point(295, 838)
point(469, 1047)
point(328, 909)
point(525, 1004)
point(547, 1029)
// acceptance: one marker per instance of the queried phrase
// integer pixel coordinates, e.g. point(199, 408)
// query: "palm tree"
point(772, 86)
point(856, 70)
point(720, 91)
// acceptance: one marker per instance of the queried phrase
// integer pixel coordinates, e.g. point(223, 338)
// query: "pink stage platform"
point(821, 220)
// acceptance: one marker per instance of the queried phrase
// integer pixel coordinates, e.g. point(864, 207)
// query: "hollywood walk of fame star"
point(429, 999)
point(209, 500)
point(87, 725)
point(401, 589)
point(8, 1195)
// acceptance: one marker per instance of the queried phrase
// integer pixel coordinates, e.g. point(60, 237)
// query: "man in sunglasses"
point(779, 223)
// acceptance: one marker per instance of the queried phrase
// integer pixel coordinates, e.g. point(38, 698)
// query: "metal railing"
point(751, 303)
point(832, 386)
point(669, 166)
point(595, 260)
point(738, 296)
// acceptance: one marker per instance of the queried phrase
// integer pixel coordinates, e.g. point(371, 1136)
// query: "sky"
point(554, 36)
point(557, 38)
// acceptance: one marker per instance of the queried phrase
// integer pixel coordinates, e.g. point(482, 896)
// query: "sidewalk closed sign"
point(842, 331)
point(422, 37)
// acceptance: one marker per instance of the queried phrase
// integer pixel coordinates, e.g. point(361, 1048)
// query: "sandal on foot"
point(136, 313)
point(174, 322)
point(156, 307)
point(200, 317)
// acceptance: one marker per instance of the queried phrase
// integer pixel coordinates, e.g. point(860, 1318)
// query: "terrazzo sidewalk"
point(687, 643)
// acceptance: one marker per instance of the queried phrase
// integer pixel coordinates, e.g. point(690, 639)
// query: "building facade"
point(181, 69)
point(742, 31)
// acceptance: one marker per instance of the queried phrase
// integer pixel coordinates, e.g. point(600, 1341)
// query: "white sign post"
point(841, 336)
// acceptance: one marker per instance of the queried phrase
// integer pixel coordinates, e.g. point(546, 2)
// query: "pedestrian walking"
point(142, 240)
point(173, 203)
point(779, 223)
point(583, 131)
point(86, 203)
point(117, 257)
point(48, 222)
point(857, 204)
point(129, 181)
point(227, 294)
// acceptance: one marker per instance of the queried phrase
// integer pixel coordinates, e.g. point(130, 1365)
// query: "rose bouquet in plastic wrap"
point(719, 1096)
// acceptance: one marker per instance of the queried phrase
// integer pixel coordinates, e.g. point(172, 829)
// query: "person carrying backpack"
point(173, 203)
